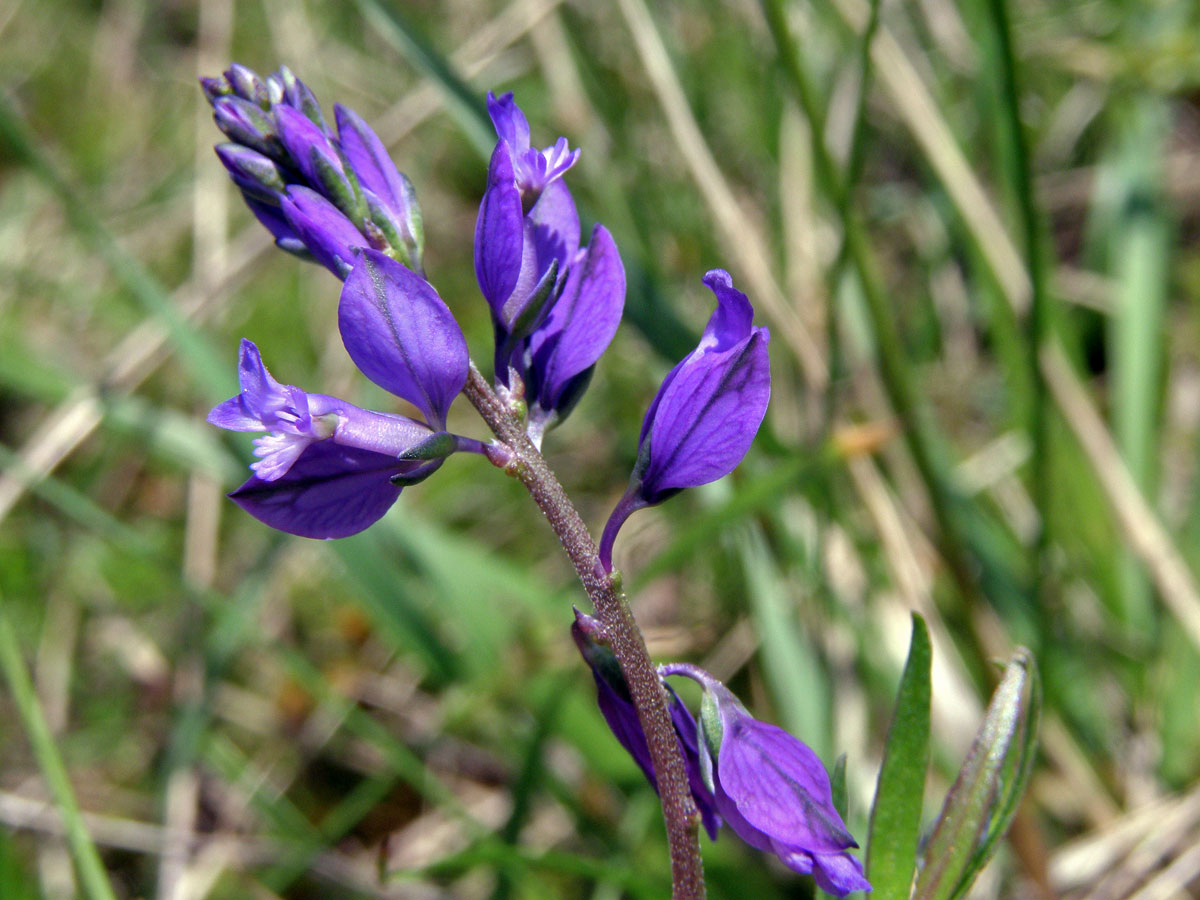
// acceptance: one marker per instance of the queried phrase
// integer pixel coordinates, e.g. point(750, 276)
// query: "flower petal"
point(402, 336)
point(779, 785)
point(499, 232)
point(711, 405)
point(582, 322)
point(329, 235)
point(839, 873)
point(305, 143)
point(263, 404)
point(511, 125)
point(370, 161)
point(331, 491)
point(555, 224)
point(732, 320)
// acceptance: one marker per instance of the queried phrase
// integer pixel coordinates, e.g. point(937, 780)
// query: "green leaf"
point(983, 799)
point(896, 816)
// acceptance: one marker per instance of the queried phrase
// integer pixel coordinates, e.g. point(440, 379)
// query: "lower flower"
point(772, 790)
point(326, 468)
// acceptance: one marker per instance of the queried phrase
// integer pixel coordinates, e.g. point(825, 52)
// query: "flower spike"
point(555, 306)
point(289, 163)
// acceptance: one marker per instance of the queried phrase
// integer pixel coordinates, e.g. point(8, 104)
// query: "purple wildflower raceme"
point(555, 306)
point(285, 158)
point(706, 413)
point(616, 705)
point(772, 790)
point(327, 468)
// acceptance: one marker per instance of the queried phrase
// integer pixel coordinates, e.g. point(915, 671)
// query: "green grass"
point(984, 246)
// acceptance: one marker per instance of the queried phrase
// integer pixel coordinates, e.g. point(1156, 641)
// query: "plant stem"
point(622, 632)
point(87, 860)
point(1039, 325)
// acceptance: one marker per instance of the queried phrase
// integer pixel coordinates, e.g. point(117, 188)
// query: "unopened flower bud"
point(246, 84)
point(245, 123)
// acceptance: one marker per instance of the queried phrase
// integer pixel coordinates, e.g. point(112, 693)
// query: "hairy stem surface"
point(622, 632)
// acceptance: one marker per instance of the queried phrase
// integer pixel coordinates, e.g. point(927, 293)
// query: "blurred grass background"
point(983, 290)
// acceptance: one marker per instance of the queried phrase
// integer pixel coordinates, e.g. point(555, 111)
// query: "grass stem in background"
point(895, 372)
point(91, 872)
point(1036, 249)
point(1138, 253)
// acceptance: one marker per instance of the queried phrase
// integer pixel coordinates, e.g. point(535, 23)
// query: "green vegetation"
point(982, 286)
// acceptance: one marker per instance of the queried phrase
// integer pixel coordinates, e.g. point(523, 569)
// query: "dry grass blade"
point(1146, 535)
point(742, 237)
point(916, 107)
point(1173, 880)
point(1174, 829)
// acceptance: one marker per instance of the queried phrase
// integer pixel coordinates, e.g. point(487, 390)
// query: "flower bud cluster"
point(322, 195)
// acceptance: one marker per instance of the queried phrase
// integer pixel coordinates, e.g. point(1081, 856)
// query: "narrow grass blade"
point(462, 100)
point(1037, 252)
point(1140, 254)
point(798, 683)
point(18, 884)
point(981, 803)
point(95, 881)
point(896, 815)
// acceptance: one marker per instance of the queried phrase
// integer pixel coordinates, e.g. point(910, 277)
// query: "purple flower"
point(298, 480)
point(578, 328)
point(616, 705)
point(246, 84)
point(772, 790)
point(533, 169)
point(555, 307)
point(245, 123)
point(706, 413)
point(312, 152)
point(391, 200)
point(519, 256)
point(331, 491)
point(326, 468)
point(254, 173)
point(330, 237)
